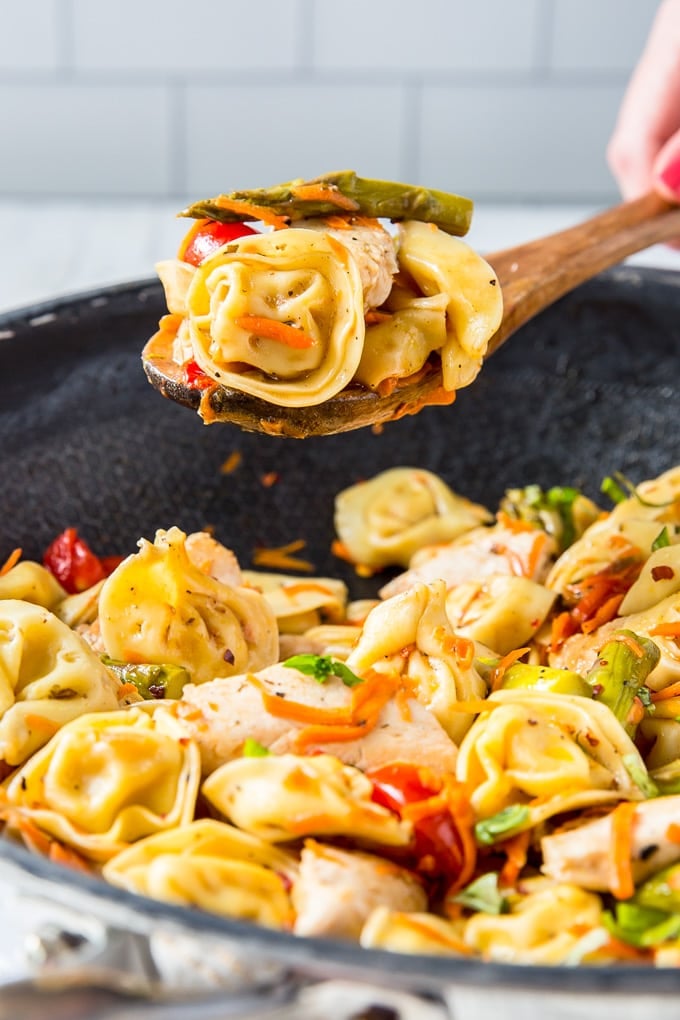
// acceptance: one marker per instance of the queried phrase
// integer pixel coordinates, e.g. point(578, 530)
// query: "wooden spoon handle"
point(536, 274)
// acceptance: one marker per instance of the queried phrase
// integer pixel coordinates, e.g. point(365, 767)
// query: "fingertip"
point(666, 172)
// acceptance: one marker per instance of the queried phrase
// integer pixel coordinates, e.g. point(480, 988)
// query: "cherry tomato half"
point(74, 564)
point(437, 850)
point(206, 236)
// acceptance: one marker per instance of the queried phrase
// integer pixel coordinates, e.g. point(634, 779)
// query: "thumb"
point(666, 169)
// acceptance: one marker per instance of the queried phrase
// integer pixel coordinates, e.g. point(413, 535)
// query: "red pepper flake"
point(662, 573)
point(270, 478)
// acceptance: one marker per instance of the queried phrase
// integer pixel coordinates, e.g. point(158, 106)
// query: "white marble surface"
point(55, 247)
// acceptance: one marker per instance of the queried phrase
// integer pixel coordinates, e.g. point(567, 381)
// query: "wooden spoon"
point(532, 276)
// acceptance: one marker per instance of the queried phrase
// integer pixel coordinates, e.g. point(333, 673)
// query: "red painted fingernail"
point(670, 176)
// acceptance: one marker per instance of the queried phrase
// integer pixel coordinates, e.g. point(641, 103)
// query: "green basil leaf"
point(483, 895)
point(254, 749)
point(501, 825)
point(661, 540)
point(321, 667)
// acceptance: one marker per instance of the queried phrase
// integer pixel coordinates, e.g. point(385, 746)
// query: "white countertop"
point(55, 247)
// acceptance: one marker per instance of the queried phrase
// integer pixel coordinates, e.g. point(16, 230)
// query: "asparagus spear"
point(618, 677)
point(338, 193)
point(151, 680)
point(661, 891)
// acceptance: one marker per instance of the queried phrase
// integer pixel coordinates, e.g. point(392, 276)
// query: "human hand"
point(644, 150)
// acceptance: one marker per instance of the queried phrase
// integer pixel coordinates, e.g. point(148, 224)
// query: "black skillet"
point(587, 388)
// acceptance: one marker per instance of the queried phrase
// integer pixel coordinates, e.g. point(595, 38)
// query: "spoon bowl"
point(532, 276)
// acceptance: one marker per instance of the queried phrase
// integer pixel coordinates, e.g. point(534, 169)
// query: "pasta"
point(327, 298)
point(481, 762)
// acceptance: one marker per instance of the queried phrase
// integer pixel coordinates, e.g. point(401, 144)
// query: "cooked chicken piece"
point(583, 855)
point(374, 253)
point(334, 639)
point(221, 714)
point(213, 558)
point(336, 890)
point(580, 651)
point(479, 553)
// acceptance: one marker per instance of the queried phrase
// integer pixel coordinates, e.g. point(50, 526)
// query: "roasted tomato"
point(443, 834)
point(206, 236)
point(74, 564)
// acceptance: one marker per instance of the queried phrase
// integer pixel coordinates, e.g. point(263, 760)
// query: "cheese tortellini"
point(212, 866)
point(549, 752)
point(284, 797)
point(48, 676)
point(31, 582)
point(106, 780)
point(385, 520)
point(280, 315)
point(157, 607)
point(410, 634)
point(299, 279)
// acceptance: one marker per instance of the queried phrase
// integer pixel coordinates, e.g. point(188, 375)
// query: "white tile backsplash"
point(183, 39)
point(29, 35)
point(69, 140)
point(599, 35)
point(165, 99)
point(528, 142)
point(424, 36)
point(249, 136)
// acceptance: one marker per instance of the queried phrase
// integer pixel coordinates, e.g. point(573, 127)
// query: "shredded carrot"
point(321, 734)
point(124, 690)
point(39, 722)
point(438, 397)
point(461, 647)
point(348, 222)
point(11, 561)
point(231, 463)
point(272, 329)
point(516, 849)
point(513, 524)
point(326, 725)
point(606, 612)
point(373, 317)
point(562, 627)
point(251, 212)
point(61, 854)
point(324, 193)
point(673, 832)
point(671, 630)
point(340, 550)
point(672, 691)
point(280, 558)
point(498, 671)
point(34, 838)
point(464, 817)
point(623, 951)
point(623, 819)
point(291, 590)
point(537, 547)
